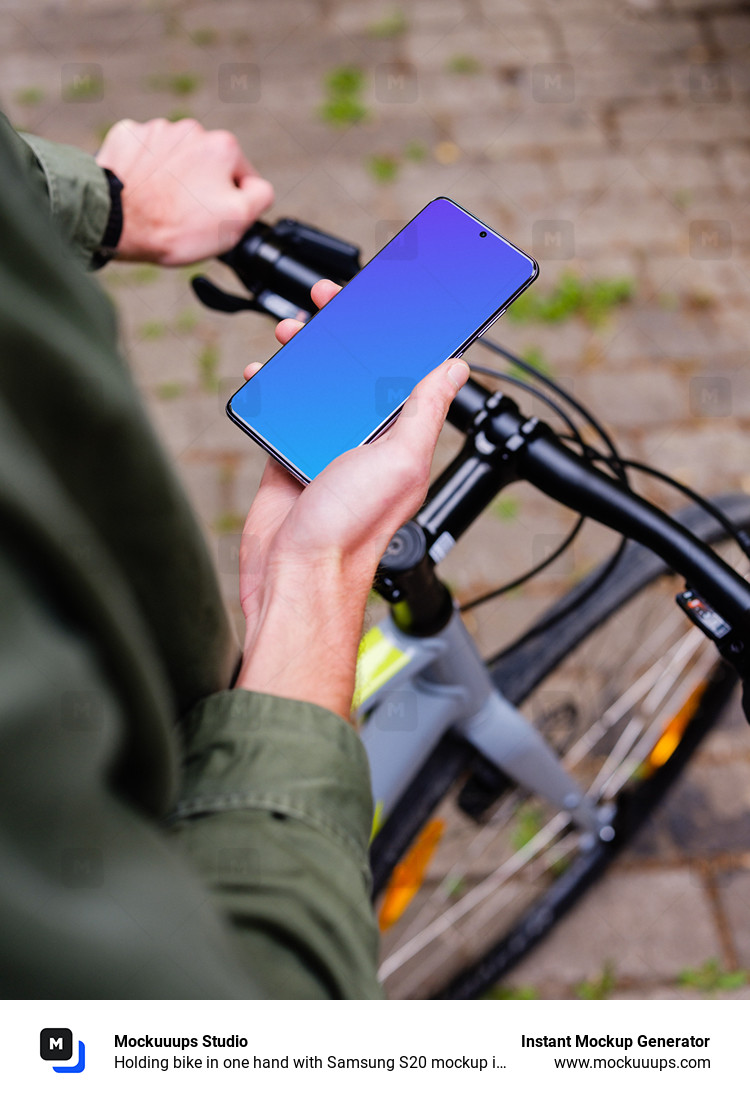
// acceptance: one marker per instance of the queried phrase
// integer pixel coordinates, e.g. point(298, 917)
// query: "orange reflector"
point(675, 728)
point(408, 875)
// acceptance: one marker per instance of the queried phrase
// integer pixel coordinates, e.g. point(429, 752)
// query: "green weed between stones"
point(593, 301)
point(343, 104)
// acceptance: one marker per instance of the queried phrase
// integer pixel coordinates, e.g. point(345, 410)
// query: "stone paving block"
point(733, 322)
point(640, 222)
point(739, 79)
point(729, 740)
point(591, 173)
point(646, 925)
point(627, 31)
point(498, 10)
point(206, 486)
point(523, 182)
point(610, 266)
point(678, 171)
point(443, 14)
point(718, 389)
point(679, 993)
point(651, 332)
point(169, 362)
point(493, 44)
point(715, 229)
point(615, 79)
point(529, 133)
point(736, 166)
point(691, 125)
point(692, 281)
point(259, 20)
point(200, 425)
point(698, 5)
point(707, 812)
point(447, 92)
point(495, 551)
point(642, 394)
point(366, 15)
point(733, 33)
point(563, 346)
point(734, 892)
point(712, 460)
point(496, 624)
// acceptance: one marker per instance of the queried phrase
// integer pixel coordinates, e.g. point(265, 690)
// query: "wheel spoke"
point(493, 882)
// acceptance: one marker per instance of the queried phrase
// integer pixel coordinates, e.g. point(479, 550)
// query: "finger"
point(277, 491)
point(250, 370)
point(321, 294)
point(424, 411)
point(286, 329)
point(241, 167)
point(277, 478)
point(323, 291)
point(253, 196)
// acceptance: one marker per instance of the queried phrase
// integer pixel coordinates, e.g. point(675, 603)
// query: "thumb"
point(424, 411)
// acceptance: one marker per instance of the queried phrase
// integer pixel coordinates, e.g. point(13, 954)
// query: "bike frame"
point(413, 690)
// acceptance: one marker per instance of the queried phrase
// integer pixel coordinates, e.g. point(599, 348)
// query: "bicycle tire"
point(520, 674)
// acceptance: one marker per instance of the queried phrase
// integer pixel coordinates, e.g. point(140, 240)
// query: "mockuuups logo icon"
point(56, 1045)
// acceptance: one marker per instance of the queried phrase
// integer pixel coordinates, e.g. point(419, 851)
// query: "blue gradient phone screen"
point(357, 360)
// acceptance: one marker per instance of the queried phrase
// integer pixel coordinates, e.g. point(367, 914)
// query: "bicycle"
point(490, 821)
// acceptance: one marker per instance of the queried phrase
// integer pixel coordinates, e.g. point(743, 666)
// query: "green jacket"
point(160, 835)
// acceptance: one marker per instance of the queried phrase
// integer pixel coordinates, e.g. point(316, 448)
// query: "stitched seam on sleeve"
point(192, 807)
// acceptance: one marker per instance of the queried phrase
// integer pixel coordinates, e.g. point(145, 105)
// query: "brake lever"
point(214, 297)
point(266, 301)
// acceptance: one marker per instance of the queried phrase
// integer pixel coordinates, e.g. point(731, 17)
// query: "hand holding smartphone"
point(425, 297)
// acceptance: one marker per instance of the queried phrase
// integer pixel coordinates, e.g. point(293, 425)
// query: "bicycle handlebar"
point(504, 446)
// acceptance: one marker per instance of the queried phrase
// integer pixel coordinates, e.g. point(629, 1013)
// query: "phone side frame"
point(262, 442)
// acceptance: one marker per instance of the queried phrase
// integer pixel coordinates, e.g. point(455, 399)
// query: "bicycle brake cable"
point(576, 528)
point(614, 460)
point(589, 417)
point(556, 553)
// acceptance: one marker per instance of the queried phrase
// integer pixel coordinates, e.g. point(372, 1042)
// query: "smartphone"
point(426, 296)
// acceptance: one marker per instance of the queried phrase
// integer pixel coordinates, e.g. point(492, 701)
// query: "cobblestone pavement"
point(611, 139)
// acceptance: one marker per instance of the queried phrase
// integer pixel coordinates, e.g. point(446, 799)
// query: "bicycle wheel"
point(625, 689)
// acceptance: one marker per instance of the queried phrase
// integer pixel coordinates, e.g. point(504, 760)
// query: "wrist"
point(303, 632)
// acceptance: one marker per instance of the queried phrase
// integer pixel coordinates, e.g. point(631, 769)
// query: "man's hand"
point(189, 193)
point(308, 555)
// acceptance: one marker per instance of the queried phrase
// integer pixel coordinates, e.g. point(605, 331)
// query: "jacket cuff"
point(248, 750)
point(78, 194)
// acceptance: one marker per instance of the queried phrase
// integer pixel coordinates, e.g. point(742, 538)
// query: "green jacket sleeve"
point(160, 836)
point(275, 812)
point(73, 186)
